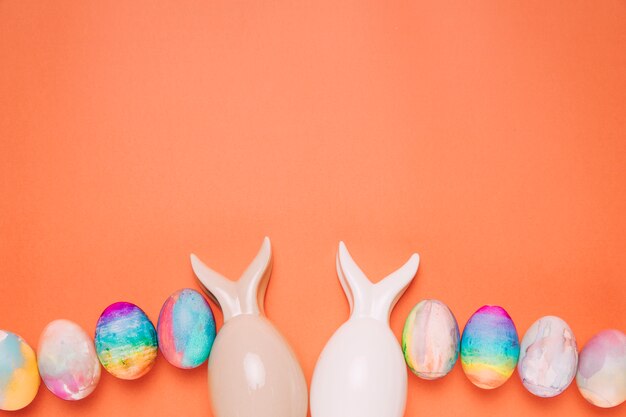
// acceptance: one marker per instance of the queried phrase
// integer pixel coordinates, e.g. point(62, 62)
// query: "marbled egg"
point(126, 341)
point(601, 376)
point(489, 347)
point(19, 378)
point(430, 340)
point(67, 360)
point(186, 329)
point(548, 357)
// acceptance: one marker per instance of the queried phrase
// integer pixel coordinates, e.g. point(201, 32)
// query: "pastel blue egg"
point(186, 329)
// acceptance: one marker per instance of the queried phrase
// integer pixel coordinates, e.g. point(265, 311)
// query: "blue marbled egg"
point(186, 329)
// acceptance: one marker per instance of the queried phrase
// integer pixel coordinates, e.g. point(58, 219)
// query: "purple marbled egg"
point(601, 376)
point(548, 357)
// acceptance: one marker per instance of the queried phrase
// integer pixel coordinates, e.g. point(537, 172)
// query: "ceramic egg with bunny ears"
point(252, 370)
point(361, 372)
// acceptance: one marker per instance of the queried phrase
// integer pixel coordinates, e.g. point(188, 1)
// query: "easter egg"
point(126, 341)
point(430, 340)
point(19, 378)
point(548, 357)
point(601, 376)
point(186, 329)
point(489, 347)
point(67, 360)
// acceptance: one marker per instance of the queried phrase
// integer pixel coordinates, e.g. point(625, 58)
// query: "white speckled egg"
point(601, 376)
point(548, 357)
point(430, 340)
point(67, 358)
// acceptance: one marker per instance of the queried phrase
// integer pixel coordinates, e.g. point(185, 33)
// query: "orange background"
point(488, 136)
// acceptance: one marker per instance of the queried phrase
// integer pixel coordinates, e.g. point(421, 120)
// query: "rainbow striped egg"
point(126, 341)
point(19, 377)
point(186, 329)
point(489, 347)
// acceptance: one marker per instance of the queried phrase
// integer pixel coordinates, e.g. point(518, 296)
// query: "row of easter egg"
point(126, 345)
point(547, 359)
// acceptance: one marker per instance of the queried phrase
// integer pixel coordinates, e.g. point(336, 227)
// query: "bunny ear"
point(219, 288)
point(254, 280)
point(354, 282)
point(244, 296)
point(390, 289)
point(344, 283)
point(372, 300)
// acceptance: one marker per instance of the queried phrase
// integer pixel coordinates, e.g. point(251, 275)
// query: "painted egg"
point(186, 329)
point(489, 347)
point(548, 357)
point(67, 360)
point(19, 378)
point(430, 340)
point(601, 376)
point(126, 341)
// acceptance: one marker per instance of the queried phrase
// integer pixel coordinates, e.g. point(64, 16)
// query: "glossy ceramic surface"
point(252, 370)
point(361, 370)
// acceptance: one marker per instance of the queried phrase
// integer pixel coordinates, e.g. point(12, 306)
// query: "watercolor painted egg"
point(548, 357)
point(489, 347)
point(601, 376)
point(67, 360)
point(19, 377)
point(430, 340)
point(186, 329)
point(126, 341)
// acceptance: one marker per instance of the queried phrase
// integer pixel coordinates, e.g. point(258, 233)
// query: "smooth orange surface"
point(488, 136)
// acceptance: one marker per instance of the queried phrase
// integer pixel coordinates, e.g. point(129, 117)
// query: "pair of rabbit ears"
point(246, 295)
point(373, 300)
